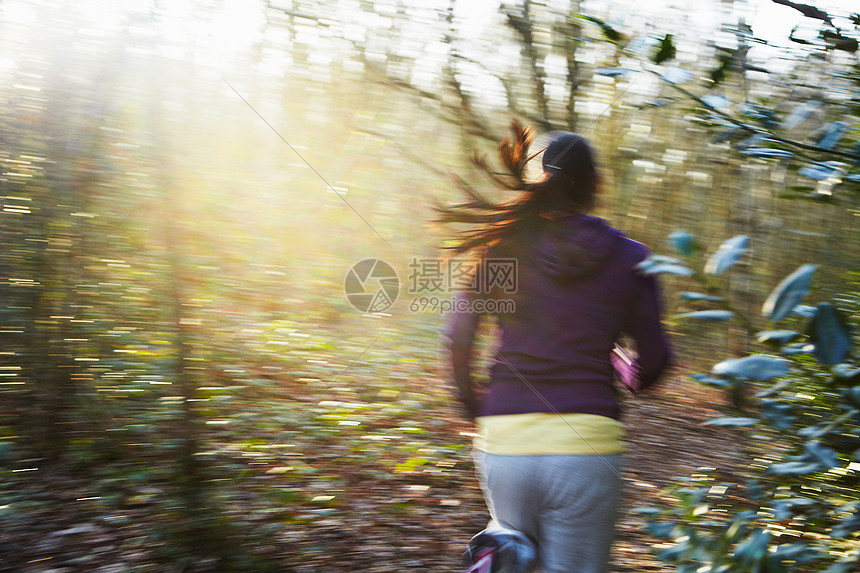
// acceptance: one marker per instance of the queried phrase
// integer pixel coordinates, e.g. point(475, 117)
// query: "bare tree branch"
point(570, 31)
point(405, 151)
point(807, 10)
point(509, 94)
point(521, 22)
point(753, 129)
point(459, 116)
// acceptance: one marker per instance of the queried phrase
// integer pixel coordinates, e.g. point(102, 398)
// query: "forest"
point(222, 279)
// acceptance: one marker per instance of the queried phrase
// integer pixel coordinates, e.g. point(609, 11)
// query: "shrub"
point(799, 507)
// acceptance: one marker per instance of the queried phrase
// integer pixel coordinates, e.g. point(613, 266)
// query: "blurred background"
point(185, 186)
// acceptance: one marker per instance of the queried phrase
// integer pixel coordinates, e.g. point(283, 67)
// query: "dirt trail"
point(667, 441)
point(388, 520)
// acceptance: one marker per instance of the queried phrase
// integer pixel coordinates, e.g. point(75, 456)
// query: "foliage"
point(798, 508)
point(173, 322)
point(767, 123)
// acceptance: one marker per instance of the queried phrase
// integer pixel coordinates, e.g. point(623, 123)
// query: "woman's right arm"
point(645, 328)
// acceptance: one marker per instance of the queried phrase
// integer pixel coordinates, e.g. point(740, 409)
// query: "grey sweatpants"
point(566, 503)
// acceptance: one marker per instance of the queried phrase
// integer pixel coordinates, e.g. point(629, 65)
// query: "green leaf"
point(832, 133)
point(848, 525)
point(720, 315)
point(788, 293)
point(726, 62)
point(660, 530)
point(816, 458)
point(676, 75)
point(836, 41)
point(825, 456)
point(687, 295)
point(647, 510)
point(793, 38)
point(665, 50)
point(662, 259)
point(796, 348)
point(804, 310)
point(794, 551)
point(776, 388)
point(720, 103)
point(731, 421)
point(847, 566)
point(683, 242)
point(821, 171)
point(776, 337)
point(816, 431)
point(783, 508)
point(754, 547)
point(612, 72)
point(656, 264)
point(727, 255)
point(718, 74)
point(777, 414)
point(669, 269)
point(752, 140)
point(759, 367)
point(763, 115)
point(829, 333)
point(792, 468)
point(767, 152)
point(609, 32)
point(846, 375)
point(710, 380)
point(670, 554)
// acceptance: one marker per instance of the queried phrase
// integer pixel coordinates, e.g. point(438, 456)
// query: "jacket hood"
point(575, 246)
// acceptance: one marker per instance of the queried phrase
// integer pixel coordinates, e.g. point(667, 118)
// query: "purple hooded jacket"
point(578, 290)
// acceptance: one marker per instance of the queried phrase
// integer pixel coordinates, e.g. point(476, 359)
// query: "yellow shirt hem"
point(539, 433)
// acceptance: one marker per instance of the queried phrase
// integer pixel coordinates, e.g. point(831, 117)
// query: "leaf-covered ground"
point(377, 479)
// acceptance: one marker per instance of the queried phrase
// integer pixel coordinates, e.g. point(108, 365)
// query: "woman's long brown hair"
point(495, 221)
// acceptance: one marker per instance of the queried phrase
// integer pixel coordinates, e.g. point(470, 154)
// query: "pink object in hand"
point(626, 369)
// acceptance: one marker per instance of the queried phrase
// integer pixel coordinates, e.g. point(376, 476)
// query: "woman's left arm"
point(459, 339)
